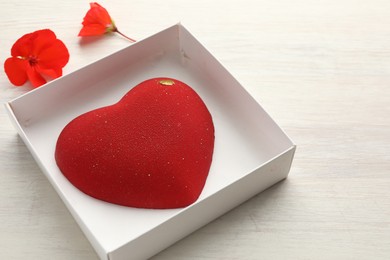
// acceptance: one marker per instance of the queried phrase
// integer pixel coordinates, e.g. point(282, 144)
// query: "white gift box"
point(251, 151)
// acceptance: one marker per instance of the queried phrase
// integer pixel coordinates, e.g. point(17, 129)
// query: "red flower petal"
point(53, 73)
point(54, 56)
point(42, 39)
point(16, 70)
point(98, 14)
point(23, 46)
point(92, 30)
point(35, 78)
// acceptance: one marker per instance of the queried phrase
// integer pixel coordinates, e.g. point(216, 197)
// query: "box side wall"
point(99, 250)
point(232, 91)
point(201, 213)
point(15, 123)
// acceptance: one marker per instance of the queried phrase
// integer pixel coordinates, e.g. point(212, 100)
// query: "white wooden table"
point(320, 68)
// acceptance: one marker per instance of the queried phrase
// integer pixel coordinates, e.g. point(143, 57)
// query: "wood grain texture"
point(320, 68)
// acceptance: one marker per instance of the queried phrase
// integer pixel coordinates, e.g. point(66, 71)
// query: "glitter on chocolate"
point(152, 149)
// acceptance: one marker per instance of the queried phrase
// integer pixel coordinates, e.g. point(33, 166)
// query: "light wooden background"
point(320, 68)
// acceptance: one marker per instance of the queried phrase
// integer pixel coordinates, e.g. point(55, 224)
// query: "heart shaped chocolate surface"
point(152, 149)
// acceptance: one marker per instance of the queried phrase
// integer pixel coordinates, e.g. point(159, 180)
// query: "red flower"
point(34, 56)
point(97, 21)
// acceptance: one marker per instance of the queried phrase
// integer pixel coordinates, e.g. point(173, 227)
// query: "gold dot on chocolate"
point(167, 82)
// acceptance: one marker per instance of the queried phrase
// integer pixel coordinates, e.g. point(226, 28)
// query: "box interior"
point(246, 137)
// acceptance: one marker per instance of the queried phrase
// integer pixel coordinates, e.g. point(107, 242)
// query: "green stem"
point(130, 39)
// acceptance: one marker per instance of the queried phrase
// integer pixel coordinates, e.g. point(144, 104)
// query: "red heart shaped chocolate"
point(152, 149)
